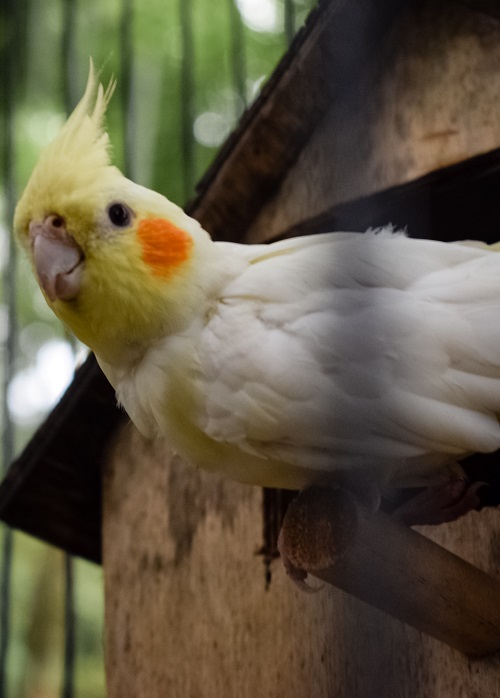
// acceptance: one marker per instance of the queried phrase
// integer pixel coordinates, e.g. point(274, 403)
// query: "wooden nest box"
point(380, 112)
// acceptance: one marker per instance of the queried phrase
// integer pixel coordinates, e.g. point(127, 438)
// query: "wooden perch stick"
point(393, 568)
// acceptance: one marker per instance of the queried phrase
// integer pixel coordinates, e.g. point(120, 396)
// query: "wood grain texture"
point(430, 98)
point(188, 614)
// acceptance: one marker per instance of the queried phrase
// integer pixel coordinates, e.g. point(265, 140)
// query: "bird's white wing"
point(344, 350)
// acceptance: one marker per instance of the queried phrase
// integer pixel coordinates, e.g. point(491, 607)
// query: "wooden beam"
point(53, 490)
point(487, 7)
point(458, 202)
point(393, 568)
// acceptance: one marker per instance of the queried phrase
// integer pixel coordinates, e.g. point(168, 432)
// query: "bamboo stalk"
point(393, 568)
point(238, 54)
point(9, 57)
point(187, 95)
point(128, 87)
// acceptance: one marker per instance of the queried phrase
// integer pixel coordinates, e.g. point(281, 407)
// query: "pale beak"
point(59, 260)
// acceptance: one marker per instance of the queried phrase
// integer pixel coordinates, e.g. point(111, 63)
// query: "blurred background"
point(186, 70)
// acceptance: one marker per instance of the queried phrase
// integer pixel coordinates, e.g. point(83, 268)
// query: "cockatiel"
point(345, 358)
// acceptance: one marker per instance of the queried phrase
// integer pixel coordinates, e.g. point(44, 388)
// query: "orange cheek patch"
point(164, 245)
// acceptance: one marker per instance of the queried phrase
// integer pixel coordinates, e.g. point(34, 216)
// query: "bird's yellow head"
point(112, 258)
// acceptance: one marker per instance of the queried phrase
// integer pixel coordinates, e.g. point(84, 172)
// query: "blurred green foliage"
point(185, 70)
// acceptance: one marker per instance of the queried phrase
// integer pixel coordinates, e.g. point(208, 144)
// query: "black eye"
point(119, 215)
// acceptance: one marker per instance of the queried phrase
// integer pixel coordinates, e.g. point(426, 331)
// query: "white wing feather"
point(347, 351)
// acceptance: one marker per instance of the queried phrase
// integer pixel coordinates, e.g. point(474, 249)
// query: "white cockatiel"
point(358, 359)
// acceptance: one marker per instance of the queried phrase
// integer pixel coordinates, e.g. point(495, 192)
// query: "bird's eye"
point(119, 215)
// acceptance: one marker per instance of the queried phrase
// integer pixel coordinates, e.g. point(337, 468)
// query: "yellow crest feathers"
point(83, 134)
point(76, 164)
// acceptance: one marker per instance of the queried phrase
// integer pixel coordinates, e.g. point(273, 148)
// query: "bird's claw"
point(441, 504)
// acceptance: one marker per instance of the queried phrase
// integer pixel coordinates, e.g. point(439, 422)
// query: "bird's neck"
point(121, 331)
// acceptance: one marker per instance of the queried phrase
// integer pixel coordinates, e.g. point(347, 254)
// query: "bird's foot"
point(440, 504)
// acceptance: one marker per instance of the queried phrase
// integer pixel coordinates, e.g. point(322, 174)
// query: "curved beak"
point(58, 258)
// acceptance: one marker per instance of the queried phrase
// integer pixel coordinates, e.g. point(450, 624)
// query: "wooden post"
point(391, 567)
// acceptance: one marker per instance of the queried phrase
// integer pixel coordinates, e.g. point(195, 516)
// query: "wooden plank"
point(428, 99)
point(188, 612)
point(53, 490)
point(457, 202)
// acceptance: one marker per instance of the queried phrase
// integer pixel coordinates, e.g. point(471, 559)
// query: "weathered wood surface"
point(188, 614)
point(428, 99)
